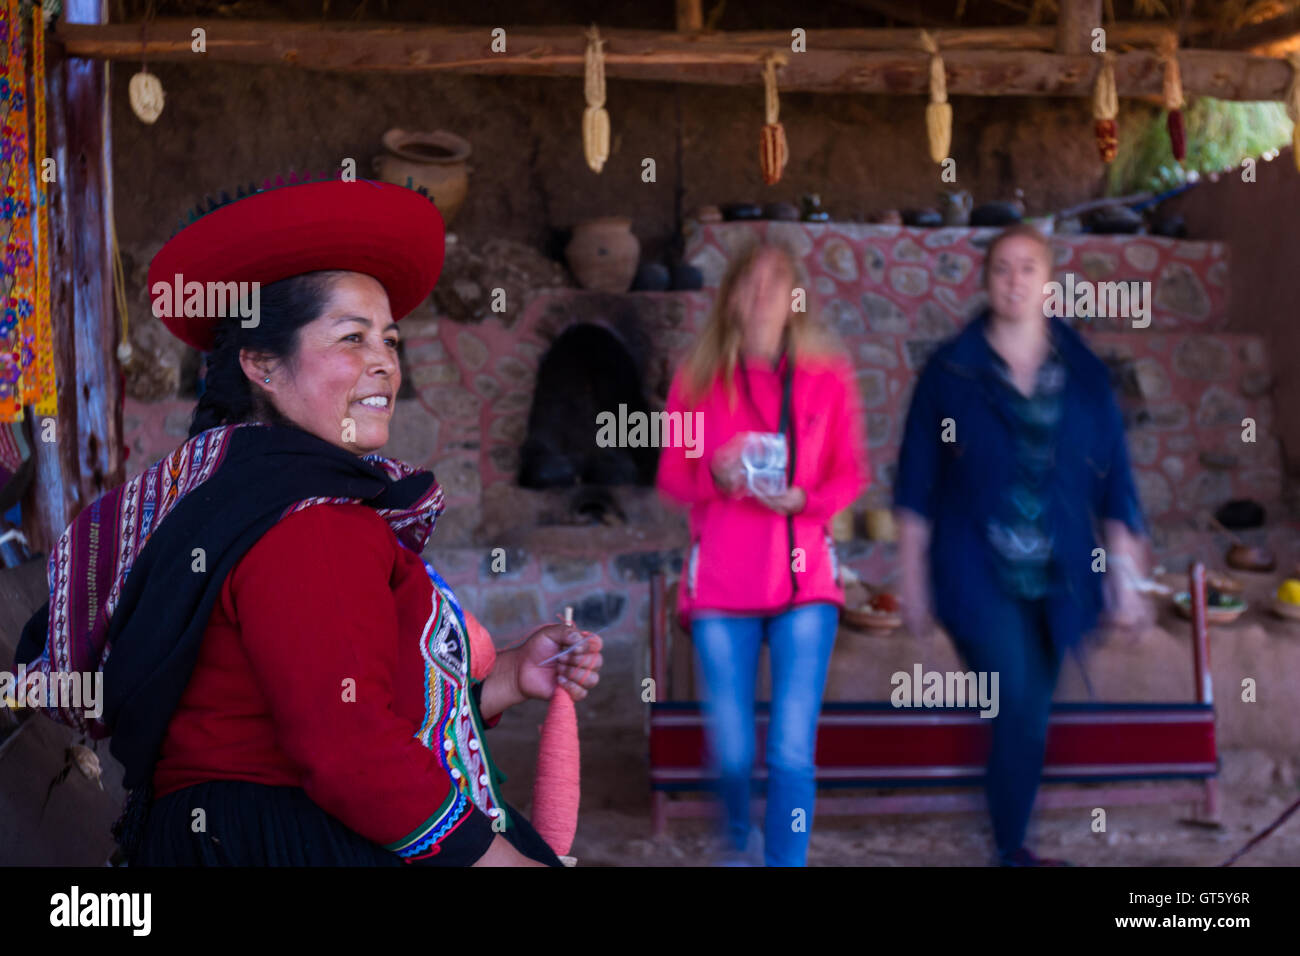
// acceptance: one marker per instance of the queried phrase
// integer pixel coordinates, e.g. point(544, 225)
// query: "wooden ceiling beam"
point(707, 58)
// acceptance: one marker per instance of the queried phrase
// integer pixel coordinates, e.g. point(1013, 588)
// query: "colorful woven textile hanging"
point(43, 402)
point(26, 343)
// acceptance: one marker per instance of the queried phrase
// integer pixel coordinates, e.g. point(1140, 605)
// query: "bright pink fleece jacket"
point(740, 558)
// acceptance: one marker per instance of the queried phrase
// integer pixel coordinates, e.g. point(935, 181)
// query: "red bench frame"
point(875, 745)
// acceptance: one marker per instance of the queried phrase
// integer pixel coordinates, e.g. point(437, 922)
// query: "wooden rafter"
point(1074, 25)
point(690, 16)
point(709, 58)
point(895, 10)
point(1274, 37)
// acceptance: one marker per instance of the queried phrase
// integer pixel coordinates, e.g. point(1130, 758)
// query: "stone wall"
point(1185, 382)
point(1257, 218)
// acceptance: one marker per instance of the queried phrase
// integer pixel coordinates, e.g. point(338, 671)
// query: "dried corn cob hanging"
point(595, 121)
point(938, 112)
point(1105, 107)
point(773, 151)
point(1173, 97)
point(1293, 105)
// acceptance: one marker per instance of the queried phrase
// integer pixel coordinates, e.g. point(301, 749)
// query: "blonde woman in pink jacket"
point(762, 564)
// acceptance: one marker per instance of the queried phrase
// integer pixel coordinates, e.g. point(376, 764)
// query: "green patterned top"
point(1020, 531)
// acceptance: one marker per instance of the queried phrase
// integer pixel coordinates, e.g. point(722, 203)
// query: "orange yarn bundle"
point(557, 787)
point(556, 790)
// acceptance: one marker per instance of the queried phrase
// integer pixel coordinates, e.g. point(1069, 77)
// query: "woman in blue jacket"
point(1012, 456)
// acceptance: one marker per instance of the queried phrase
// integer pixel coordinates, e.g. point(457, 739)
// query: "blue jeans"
point(1014, 641)
point(799, 647)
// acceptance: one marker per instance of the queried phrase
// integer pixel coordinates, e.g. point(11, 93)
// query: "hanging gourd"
point(773, 152)
point(938, 112)
point(147, 96)
point(1105, 107)
point(1293, 106)
point(1172, 91)
point(595, 121)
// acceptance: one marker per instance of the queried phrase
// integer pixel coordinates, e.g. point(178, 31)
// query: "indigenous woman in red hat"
point(286, 680)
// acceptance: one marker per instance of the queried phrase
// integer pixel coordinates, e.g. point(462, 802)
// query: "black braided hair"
point(228, 397)
point(128, 830)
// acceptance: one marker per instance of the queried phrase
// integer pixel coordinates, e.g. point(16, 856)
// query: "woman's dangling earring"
point(267, 380)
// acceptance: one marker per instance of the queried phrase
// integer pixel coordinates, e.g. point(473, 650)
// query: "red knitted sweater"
point(311, 674)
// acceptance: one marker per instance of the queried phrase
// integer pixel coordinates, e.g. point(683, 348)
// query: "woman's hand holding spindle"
point(1126, 608)
point(577, 672)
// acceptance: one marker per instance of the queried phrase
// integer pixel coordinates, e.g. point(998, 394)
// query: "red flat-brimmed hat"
point(264, 235)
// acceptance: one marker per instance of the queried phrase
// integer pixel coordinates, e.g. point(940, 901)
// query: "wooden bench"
point(876, 746)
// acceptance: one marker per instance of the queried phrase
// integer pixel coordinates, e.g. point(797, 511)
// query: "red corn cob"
point(1177, 134)
point(1107, 139)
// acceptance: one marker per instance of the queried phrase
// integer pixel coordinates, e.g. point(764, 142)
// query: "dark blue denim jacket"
point(957, 484)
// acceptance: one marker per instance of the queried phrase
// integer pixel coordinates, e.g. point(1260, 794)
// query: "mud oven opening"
point(559, 483)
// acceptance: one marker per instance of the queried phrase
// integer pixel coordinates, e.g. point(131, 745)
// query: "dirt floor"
point(1135, 836)
point(614, 824)
point(1259, 765)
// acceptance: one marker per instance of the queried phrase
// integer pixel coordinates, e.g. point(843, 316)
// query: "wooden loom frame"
point(1156, 741)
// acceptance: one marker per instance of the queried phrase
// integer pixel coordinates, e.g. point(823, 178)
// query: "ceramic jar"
point(603, 254)
point(438, 161)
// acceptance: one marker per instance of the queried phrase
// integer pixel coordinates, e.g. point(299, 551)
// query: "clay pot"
point(812, 209)
point(781, 211)
point(1245, 557)
point(955, 207)
point(603, 254)
point(736, 211)
point(993, 214)
point(438, 161)
point(651, 277)
point(923, 218)
point(686, 277)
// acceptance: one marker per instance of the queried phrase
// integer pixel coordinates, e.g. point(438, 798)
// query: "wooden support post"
point(86, 458)
point(690, 18)
point(1074, 25)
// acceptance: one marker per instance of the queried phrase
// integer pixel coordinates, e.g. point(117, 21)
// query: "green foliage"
point(1220, 134)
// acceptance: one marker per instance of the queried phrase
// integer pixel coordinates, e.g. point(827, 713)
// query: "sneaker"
point(1024, 857)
